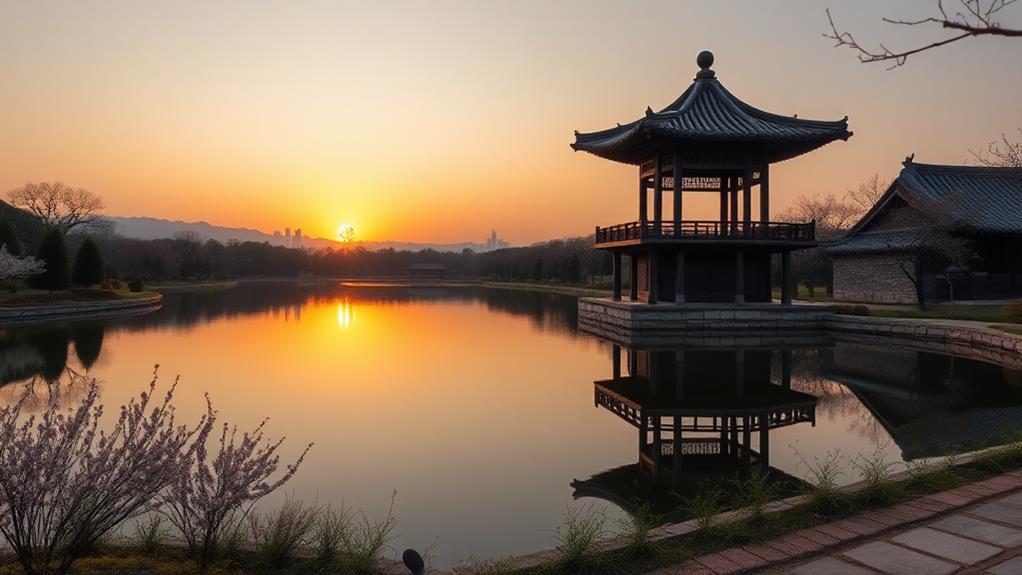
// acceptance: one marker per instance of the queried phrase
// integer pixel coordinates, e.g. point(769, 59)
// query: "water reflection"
point(929, 403)
point(700, 415)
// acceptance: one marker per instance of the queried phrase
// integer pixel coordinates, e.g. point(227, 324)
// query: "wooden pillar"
point(724, 187)
point(642, 197)
point(615, 359)
point(679, 278)
point(733, 429)
point(747, 196)
point(723, 436)
point(677, 193)
point(739, 277)
point(786, 369)
point(617, 276)
point(764, 443)
point(786, 277)
point(679, 374)
point(764, 192)
point(676, 458)
point(658, 197)
point(633, 283)
point(654, 277)
point(746, 442)
point(734, 205)
point(658, 448)
point(740, 373)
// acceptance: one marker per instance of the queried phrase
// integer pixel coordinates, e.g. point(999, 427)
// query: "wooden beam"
point(734, 204)
point(617, 276)
point(658, 196)
point(747, 196)
point(642, 199)
point(764, 193)
point(633, 283)
point(677, 190)
point(724, 183)
point(679, 279)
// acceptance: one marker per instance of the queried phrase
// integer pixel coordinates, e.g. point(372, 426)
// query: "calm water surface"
point(476, 406)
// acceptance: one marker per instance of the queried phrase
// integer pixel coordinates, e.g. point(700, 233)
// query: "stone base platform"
point(627, 321)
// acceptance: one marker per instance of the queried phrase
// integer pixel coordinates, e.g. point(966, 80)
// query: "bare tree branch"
point(976, 18)
point(58, 204)
point(1001, 153)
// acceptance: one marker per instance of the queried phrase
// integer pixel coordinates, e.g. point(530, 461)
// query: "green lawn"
point(986, 313)
point(804, 293)
point(1009, 328)
point(30, 297)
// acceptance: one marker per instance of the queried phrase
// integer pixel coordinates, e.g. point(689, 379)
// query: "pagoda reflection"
point(702, 414)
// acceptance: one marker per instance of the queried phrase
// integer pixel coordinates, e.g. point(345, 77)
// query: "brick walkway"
point(976, 528)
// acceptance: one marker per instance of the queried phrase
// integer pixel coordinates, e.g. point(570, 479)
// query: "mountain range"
point(147, 228)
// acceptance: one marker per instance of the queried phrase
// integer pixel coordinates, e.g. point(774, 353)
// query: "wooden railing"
point(707, 229)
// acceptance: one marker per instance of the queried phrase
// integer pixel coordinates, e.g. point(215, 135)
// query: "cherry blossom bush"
point(67, 481)
point(210, 499)
point(13, 267)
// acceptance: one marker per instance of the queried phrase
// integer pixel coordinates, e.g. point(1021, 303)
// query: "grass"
point(32, 297)
point(984, 313)
point(1014, 329)
point(803, 292)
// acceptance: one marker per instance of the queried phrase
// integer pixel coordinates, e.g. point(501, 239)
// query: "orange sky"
point(436, 121)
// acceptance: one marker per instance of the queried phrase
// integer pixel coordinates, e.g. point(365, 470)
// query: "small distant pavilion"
point(706, 141)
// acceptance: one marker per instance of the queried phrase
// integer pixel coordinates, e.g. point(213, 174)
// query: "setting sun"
point(346, 232)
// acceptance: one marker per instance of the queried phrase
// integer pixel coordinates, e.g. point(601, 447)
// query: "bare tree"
point(1001, 153)
point(58, 204)
point(868, 193)
point(928, 237)
point(973, 18)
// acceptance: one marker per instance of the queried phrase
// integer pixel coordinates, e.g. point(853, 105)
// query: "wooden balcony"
point(706, 231)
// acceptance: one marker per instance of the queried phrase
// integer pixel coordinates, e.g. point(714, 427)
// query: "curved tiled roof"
point(980, 198)
point(977, 199)
point(708, 113)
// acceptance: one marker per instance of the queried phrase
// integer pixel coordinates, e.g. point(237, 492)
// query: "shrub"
point(279, 534)
point(53, 253)
point(823, 475)
point(875, 470)
point(846, 309)
point(136, 285)
point(578, 540)
point(755, 492)
point(364, 543)
point(707, 502)
point(205, 501)
point(9, 238)
point(331, 529)
point(637, 526)
point(1013, 311)
point(150, 534)
point(88, 265)
point(65, 485)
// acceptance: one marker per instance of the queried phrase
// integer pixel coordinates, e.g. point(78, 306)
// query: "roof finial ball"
point(705, 60)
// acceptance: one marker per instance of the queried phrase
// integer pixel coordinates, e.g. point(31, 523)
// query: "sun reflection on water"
point(345, 313)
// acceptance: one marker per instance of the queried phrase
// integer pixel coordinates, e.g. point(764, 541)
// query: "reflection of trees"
point(808, 375)
point(88, 339)
point(549, 312)
point(42, 351)
point(70, 387)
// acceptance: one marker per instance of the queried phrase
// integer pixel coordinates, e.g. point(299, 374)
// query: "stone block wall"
point(873, 278)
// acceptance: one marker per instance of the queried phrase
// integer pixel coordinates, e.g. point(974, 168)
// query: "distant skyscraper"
point(298, 238)
point(287, 237)
point(494, 243)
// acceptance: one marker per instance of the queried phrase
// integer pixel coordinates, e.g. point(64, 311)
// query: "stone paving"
point(973, 529)
point(985, 538)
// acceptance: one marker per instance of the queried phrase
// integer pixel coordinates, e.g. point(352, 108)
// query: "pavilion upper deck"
point(703, 231)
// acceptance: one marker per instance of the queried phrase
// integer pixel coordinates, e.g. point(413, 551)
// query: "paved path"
point(984, 538)
point(972, 529)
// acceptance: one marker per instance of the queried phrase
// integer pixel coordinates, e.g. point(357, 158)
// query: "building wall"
point(874, 278)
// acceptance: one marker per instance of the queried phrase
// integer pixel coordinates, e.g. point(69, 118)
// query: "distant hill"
point(154, 228)
point(28, 228)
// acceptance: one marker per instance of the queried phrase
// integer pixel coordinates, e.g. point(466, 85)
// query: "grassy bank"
point(27, 297)
point(985, 313)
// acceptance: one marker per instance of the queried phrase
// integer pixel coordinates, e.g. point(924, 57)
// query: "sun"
point(346, 233)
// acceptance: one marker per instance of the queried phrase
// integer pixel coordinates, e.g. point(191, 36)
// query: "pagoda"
point(706, 141)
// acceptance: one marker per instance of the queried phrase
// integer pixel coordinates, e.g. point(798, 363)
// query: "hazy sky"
point(435, 121)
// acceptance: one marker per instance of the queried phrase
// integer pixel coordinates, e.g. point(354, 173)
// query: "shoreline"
point(11, 316)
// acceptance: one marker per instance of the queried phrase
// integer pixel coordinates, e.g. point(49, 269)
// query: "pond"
point(489, 413)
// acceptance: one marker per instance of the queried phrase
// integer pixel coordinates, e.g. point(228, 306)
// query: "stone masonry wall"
point(871, 278)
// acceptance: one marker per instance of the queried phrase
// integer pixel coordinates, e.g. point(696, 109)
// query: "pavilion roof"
point(977, 199)
point(707, 113)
